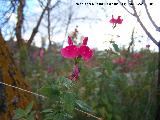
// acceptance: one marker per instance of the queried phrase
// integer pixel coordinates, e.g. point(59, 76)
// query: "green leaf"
point(67, 83)
point(69, 101)
point(19, 113)
point(62, 81)
point(47, 111)
point(59, 116)
point(30, 117)
point(116, 48)
point(50, 91)
point(29, 108)
point(83, 106)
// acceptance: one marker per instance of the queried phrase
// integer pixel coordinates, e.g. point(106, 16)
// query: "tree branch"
point(149, 16)
point(20, 18)
point(142, 25)
point(125, 8)
point(49, 25)
point(35, 29)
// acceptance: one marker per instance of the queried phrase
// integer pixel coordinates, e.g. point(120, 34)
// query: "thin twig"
point(44, 97)
point(149, 16)
point(125, 8)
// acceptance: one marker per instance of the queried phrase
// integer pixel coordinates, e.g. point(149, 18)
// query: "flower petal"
point(119, 20)
point(70, 51)
point(70, 42)
point(112, 20)
point(85, 40)
point(85, 52)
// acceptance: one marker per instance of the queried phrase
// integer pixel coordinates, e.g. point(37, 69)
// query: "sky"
point(100, 32)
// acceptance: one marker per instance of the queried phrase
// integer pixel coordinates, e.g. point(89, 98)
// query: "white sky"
point(100, 31)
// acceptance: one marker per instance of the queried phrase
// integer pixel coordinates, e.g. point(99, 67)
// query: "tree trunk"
point(11, 98)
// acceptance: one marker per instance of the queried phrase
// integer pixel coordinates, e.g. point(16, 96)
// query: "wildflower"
point(132, 64)
point(137, 55)
point(76, 53)
point(120, 60)
point(73, 51)
point(70, 51)
point(115, 21)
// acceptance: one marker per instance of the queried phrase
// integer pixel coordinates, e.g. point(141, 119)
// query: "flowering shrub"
point(76, 53)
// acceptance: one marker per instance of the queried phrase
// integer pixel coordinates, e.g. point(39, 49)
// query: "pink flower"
point(70, 51)
point(73, 51)
point(120, 60)
point(137, 55)
point(85, 40)
point(84, 51)
point(132, 64)
point(112, 20)
point(75, 73)
point(119, 20)
point(115, 21)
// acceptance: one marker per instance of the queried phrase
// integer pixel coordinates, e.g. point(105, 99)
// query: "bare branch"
point(49, 25)
point(140, 22)
point(35, 29)
point(125, 8)
point(142, 25)
point(49, 20)
point(149, 16)
point(9, 9)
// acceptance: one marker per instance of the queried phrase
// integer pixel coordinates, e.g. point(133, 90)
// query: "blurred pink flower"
point(131, 64)
point(35, 54)
point(137, 55)
point(49, 69)
point(120, 60)
point(41, 53)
